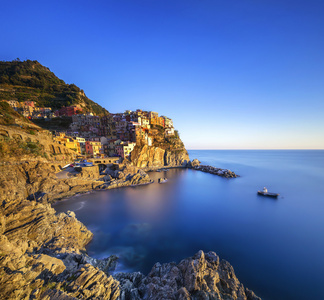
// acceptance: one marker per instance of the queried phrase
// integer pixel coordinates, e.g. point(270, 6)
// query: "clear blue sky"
point(235, 74)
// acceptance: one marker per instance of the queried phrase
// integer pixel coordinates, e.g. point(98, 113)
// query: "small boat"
point(265, 192)
point(162, 180)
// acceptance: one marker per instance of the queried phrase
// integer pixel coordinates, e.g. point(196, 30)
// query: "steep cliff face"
point(156, 157)
point(176, 158)
point(146, 156)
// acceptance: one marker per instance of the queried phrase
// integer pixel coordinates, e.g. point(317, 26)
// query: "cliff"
point(164, 152)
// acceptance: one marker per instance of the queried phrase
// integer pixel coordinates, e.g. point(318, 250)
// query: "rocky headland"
point(155, 157)
point(42, 253)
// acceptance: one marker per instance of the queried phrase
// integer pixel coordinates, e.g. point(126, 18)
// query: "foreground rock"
point(202, 276)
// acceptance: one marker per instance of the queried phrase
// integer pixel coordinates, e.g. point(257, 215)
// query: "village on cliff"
point(91, 136)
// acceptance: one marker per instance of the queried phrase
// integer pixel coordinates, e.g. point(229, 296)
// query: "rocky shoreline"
point(42, 253)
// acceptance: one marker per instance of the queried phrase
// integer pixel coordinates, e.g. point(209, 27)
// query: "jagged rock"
point(38, 224)
point(54, 294)
point(202, 276)
point(131, 285)
point(90, 283)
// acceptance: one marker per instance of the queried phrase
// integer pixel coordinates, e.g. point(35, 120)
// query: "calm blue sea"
point(275, 246)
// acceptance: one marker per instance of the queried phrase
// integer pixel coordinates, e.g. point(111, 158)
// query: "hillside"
point(9, 117)
point(29, 80)
point(22, 140)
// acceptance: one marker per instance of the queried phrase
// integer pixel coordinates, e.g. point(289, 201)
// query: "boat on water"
point(265, 192)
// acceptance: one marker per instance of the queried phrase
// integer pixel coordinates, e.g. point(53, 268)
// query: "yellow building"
point(68, 142)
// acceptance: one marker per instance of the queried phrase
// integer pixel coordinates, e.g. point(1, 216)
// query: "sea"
point(276, 246)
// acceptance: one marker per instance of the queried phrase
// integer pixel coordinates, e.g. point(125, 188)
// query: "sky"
point(235, 74)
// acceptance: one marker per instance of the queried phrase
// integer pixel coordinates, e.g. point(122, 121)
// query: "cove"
point(275, 246)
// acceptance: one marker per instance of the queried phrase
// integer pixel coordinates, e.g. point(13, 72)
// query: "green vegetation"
point(171, 143)
point(16, 148)
point(8, 114)
point(29, 80)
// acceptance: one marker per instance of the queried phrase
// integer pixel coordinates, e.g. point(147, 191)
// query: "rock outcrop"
point(149, 157)
point(126, 175)
point(31, 236)
point(37, 180)
point(176, 158)
point(202, 276)
point(42, 253)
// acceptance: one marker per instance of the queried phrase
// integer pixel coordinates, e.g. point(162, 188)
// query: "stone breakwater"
point(195, 164)
point(42, 253)
point(216, 171)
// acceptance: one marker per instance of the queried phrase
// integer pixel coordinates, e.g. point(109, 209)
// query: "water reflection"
point(150, 205)
point(195, 210)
